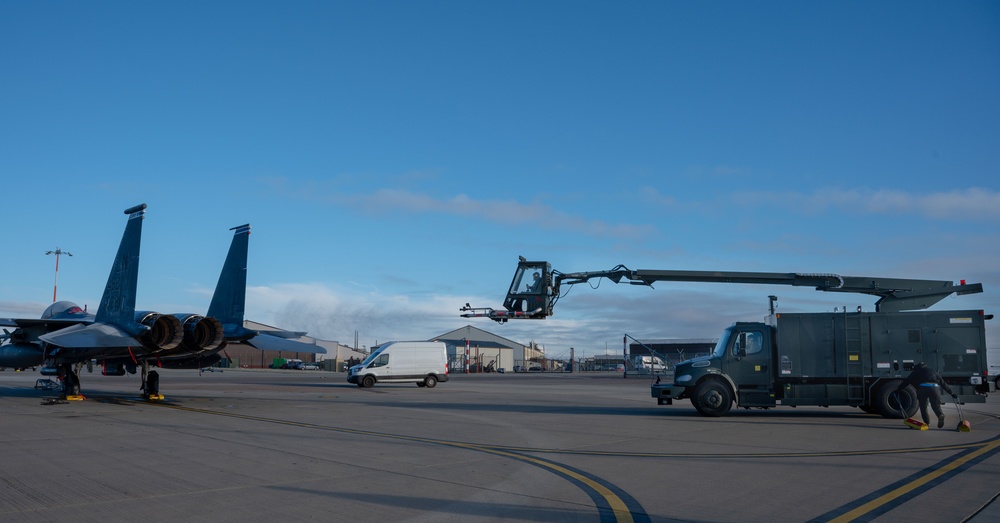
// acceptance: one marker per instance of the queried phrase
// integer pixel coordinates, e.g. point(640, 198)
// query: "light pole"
point(58, 252)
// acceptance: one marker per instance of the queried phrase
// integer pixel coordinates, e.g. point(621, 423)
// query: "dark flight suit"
point(927, 383)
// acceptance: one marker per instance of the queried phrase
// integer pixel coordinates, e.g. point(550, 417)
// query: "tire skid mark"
point(613, 504)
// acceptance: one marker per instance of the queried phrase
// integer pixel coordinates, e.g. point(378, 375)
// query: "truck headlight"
point(683, 378)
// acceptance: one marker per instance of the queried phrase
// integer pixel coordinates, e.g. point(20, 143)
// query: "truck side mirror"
point(741, 345)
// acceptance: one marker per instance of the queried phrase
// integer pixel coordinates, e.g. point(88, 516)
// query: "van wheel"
point(430, 382)
point(368, 381)
point(712, 398)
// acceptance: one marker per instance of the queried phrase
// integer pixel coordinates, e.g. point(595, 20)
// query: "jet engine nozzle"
point(201, 333)
point(165, 331)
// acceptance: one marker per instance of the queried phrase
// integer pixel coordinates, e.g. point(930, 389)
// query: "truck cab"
point(739, 368)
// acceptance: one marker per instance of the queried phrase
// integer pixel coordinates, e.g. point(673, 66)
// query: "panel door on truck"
point(749, 365)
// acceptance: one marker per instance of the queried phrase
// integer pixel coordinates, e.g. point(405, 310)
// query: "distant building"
point(486, 351)
point(246, 356)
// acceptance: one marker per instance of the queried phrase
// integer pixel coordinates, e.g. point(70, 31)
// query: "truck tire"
point(368, 381)
point(430, 382)
point(893, 406)
point(712, 398)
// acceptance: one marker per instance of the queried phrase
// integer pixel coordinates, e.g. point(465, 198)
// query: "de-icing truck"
point(848, 358)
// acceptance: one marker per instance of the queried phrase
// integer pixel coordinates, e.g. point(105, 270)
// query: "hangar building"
point(487, 352)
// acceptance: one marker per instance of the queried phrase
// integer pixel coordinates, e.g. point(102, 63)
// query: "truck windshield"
point(720, 348)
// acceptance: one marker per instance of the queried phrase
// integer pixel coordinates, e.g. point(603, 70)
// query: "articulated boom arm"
point(534, 296)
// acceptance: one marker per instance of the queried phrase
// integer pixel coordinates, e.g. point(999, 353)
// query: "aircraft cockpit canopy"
point(63, 309)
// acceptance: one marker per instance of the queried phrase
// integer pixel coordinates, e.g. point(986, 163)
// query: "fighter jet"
point(206, 336)
point(67, 335)
point(120, 338)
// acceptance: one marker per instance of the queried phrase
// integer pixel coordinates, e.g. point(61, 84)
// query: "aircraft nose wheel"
point(151, 386)
point(71, 384)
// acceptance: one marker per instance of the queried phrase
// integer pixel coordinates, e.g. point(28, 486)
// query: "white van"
point(422, 362)
point(649, 364)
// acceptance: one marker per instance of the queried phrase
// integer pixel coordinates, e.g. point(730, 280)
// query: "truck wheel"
point(712, 398)
point(997, 382)
point(430, 382)
point(893, 406)
point(368, 381)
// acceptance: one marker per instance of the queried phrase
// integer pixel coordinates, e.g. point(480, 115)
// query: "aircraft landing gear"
point(150, 383)
point(71, 384)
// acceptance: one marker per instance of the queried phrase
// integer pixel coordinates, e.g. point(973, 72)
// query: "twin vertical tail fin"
point(115, 325)
point(229, 301)
point(118, 302)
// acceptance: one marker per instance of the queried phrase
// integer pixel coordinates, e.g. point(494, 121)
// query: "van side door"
point(381, 365)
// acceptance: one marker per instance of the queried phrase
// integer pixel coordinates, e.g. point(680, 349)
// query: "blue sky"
point(395, 158)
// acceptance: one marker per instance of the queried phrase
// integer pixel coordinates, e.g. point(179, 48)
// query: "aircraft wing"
point(265, 341)
point(285, 334)
point(25, 323)
point(93, 336)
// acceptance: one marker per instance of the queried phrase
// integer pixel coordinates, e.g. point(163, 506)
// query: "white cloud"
point(16, 309)
point(959, 204)
point(505, 212)
point(335, 314)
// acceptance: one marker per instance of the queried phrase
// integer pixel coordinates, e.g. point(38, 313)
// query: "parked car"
point(307, 366)
point(291, 364)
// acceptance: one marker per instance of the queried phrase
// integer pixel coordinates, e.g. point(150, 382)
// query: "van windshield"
point(372, 356)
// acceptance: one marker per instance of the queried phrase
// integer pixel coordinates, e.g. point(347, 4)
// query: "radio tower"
point(58, 252)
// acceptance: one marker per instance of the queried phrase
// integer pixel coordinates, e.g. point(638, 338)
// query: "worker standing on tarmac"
point(927, 383)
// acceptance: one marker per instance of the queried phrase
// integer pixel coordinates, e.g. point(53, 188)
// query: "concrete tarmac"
point(244, 445)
